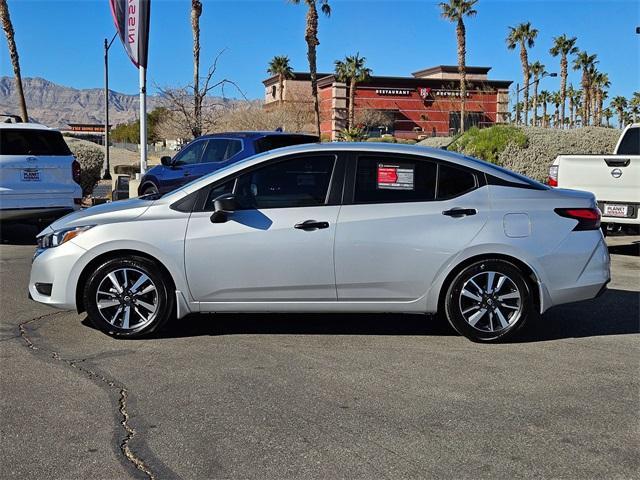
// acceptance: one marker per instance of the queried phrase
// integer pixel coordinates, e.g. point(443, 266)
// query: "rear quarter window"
point(32, 142)
point(453, 182)
point(630, 144)
point(272, 142)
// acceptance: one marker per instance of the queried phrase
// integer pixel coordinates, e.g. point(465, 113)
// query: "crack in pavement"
point(123, 393)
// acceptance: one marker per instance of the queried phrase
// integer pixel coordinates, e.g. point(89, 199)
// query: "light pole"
point(518, 90)
point(107, 168)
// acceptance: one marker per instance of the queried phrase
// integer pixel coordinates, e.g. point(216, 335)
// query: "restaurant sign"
point(394, 91)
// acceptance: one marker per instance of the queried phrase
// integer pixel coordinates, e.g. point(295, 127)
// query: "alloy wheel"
point(127, 298)
point(490, 301)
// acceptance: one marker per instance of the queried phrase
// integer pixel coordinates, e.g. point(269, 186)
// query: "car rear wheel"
point(128, 297)
point(489, 301)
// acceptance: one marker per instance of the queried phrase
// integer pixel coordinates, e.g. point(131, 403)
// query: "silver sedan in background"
point(331, 228)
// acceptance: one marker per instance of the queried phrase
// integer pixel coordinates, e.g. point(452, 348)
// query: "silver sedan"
point(331, 228)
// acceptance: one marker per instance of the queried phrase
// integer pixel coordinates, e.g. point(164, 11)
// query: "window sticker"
point(396, 177)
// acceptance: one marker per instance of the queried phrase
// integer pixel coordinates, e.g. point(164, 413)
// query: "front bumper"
point(55, 266)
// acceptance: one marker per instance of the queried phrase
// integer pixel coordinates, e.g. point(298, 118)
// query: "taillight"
point(552, 181)
point(75, 171)
point(588, 218)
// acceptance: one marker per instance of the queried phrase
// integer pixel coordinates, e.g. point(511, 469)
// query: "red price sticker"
point(387, 174)
point(395, 177)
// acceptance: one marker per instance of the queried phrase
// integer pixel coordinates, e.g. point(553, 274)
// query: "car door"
point(407, 217)
point(181, 170)
point(277, 246)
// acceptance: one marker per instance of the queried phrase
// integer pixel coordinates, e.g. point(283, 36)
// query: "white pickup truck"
point(613, 179)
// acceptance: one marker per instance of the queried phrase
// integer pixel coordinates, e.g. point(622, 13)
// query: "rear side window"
point(382, 179)
point(630, 144)
point(220, 149)
point(272, 142)
point(32, 142)
point(453, 182)
point(299, 182)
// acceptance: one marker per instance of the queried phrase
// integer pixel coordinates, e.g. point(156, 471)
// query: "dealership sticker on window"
point(395, 177)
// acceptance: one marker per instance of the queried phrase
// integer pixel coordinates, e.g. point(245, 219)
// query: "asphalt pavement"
point(320, 396)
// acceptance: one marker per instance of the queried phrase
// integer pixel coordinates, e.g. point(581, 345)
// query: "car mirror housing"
point(223, 206)
point(166, 161)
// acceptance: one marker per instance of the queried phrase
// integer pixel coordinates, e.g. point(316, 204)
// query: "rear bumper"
point(7, 214)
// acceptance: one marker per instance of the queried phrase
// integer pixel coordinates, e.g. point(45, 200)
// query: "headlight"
point(61, 236)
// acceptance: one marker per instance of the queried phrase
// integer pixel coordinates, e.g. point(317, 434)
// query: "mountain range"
point(57, 105)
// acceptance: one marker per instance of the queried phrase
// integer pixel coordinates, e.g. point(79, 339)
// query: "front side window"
point(390, 179)
point(221, 149)
point(299, 182)
point(215, 192)
point(191, 154)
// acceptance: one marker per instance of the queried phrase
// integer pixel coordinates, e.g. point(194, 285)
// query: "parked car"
point(356, 227)
point(613, 179)
point(209, 153)
point(39, 176)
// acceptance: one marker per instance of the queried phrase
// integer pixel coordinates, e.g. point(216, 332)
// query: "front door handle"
point(460, 212)
point(311, 225)
point(186, 173)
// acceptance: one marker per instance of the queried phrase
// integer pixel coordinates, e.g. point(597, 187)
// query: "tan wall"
point(294, 90)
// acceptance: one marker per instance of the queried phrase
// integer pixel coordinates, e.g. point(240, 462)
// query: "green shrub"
point(386, 139)
point(406, 141)
point(488, 143)
point(91, 158)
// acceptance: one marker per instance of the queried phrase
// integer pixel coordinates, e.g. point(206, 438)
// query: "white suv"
point(39, 176)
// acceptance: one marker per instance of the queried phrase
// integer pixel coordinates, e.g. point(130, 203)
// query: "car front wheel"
point(128, 297)
point(489, 301)
point(150, 190)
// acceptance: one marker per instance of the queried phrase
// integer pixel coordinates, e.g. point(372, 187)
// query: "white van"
point(39, 176)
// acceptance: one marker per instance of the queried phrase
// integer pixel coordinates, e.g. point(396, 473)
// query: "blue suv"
point(209, 153)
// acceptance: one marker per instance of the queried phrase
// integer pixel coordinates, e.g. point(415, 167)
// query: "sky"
point(62, 40)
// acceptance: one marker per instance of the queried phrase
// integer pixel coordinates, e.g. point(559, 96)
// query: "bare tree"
point(7, 26)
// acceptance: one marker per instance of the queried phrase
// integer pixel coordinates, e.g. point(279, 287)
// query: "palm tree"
point(196, 11)
point(544, 98)
point(455, 11)
point(563, 46)
point(536, 69)
point(600, 82)
point(279, 65)
point(556, 99)
point(7, 26)
point(607, 113)
point(518, 108)
point(619, 103)
point(311, 37)
point(634, 103)
point(575, 99)
point(524, 36)
point(352, 70)
point(586, 63)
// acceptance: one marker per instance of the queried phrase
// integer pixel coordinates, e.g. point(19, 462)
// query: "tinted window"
point(300, 182)
point(191, 154)
point(454, 181)
point(278, 141)
point(32, 142)
point(630, 144)
point(390, 179)
point(219, 150)
point(215, 192)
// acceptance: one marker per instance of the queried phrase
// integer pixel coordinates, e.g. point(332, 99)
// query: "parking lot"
point(320, 396)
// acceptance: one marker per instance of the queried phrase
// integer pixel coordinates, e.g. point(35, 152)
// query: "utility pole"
point(106, 175)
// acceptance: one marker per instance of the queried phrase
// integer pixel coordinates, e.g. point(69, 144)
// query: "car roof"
point(257, 134)
point(25, 126)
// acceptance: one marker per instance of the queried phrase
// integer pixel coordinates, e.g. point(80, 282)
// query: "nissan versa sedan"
point(331, 228)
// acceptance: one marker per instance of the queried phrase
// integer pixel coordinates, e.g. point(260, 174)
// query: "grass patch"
point(488, 143)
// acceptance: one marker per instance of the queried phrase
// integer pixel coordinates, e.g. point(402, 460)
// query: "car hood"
point(112, 212)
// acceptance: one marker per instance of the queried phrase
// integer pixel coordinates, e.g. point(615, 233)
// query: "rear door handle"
point(460, 212)
point(311, 225)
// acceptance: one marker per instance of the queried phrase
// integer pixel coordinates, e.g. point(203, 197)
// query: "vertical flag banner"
point(132, 22)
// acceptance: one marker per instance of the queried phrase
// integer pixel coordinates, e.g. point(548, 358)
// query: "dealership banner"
point(132, 22)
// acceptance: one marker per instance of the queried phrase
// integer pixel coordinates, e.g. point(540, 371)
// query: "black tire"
point(141, 320)
point(500, 319)
point(150, 189)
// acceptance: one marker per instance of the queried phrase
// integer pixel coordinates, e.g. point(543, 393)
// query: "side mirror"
point(166, 161)
point(223, 206)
